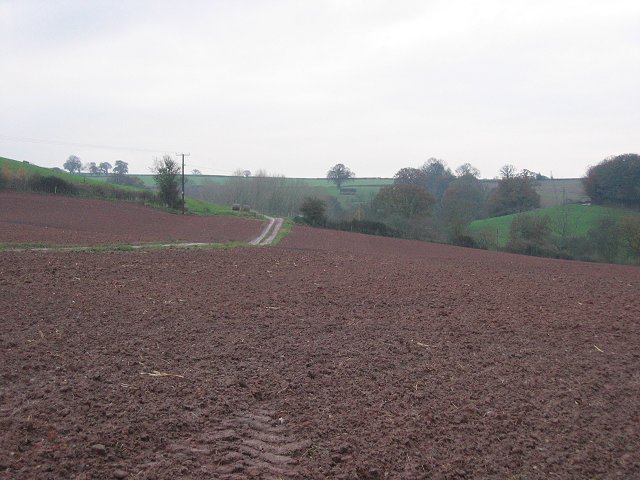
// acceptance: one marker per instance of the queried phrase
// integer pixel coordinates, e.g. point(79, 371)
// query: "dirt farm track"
point(332, 355)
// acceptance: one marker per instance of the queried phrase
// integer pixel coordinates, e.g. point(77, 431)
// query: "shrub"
point(604, 239)
point(313, 210)
point(368, 227)
point(49, 184)
point(531, 235)
point(130, 180)
point(465, 241)
point(630, 233)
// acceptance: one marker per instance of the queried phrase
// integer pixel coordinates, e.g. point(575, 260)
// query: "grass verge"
point(284, 231)
point(44, 248)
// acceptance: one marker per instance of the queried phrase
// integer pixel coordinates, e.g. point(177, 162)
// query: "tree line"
point(433, 202)
point(117, 173)
point(26, 180)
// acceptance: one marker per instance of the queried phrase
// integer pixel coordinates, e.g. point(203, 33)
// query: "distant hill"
point(552, 191)
point(94, 186)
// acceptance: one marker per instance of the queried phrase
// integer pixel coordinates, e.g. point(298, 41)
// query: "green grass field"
point(575, 220)
point(193, 206)
point(200, 207)
point(363, 186)
point(18, 168)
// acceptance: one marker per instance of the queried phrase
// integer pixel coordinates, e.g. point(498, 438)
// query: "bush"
point(604, 239)
point(486, 239)
point(630, 234)
point(531, 235)
point(49, 184)
point(368, 227)
point(111, 192)
point(313, 210)
point(129, 180)
point(580, 248)
point(465, 241)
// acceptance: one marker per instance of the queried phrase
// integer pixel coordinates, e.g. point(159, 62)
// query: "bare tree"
point(339, 174)
point(507, 171)
point(467, 169)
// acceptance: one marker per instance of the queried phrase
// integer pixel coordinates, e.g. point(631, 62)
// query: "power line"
point(84, 145)
point(103, 147)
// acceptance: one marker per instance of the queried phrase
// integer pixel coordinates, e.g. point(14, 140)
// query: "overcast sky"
point(294, 86)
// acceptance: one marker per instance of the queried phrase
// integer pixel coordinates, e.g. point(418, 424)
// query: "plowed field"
point(60, 220)
point(332, 356)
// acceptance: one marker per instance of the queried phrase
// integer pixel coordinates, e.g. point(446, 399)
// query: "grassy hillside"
point(148, 181)
point(574, 220)
point(552, 192)
point(363, 186)
point(25, 169)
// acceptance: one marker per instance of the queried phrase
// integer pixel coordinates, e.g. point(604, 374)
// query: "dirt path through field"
point(270, 232)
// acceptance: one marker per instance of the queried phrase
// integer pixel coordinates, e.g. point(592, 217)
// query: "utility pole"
point(183, 155)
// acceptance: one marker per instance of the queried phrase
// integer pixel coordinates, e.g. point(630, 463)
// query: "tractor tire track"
point(269, 233)
point(256, 444)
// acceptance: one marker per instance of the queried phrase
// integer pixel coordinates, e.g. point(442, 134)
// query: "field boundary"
point(267, 236)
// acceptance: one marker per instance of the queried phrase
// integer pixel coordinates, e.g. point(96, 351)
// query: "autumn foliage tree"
point(405, 208)
point(437, 177)
point(410, 176)
point(405, 200)
point(615, 180)
point(462, 203)
point(515, 193)
point(531, 235)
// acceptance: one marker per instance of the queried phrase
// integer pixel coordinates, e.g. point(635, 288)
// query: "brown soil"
point(332, 356)
point(60, 220)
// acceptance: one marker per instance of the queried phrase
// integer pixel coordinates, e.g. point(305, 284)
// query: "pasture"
point(568, 220)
